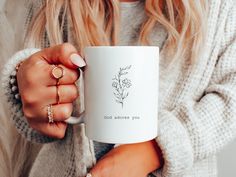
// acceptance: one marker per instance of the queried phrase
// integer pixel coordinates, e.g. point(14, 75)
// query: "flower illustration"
point(114, 84)
point(126, 83)
point(121, 85)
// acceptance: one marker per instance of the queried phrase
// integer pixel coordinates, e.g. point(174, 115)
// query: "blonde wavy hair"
point(96, 23)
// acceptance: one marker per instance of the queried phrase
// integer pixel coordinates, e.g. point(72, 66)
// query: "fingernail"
point(77, 60)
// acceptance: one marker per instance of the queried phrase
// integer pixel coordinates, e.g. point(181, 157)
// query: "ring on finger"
point(50, 114)
point(58, 72)
point(58, 94)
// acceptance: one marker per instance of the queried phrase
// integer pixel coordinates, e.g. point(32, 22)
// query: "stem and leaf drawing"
point(121, 85)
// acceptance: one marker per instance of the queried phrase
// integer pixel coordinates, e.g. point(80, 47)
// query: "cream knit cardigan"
point(197, 112)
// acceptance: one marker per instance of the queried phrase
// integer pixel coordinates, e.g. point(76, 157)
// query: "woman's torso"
point(184, 82)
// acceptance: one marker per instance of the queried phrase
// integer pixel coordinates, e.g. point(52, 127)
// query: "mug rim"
point(92, 47)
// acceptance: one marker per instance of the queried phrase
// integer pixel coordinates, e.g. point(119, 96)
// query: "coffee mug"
point(120, 94)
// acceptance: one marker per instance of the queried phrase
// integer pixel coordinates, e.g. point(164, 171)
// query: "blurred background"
point(226, 158)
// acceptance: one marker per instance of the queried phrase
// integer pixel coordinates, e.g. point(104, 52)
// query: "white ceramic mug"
point(120, 93)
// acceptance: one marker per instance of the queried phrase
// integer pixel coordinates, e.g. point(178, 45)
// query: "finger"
point(60, 112)
point(39, 73)
point(70, 76)
point(53, 130)
point(42, 96)
point(63, 54)
point(62, 94)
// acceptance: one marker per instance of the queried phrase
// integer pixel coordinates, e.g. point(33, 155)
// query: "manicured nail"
point(77, 60)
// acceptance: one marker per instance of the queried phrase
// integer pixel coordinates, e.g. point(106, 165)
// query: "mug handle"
point(80, 118)
point(76, 120)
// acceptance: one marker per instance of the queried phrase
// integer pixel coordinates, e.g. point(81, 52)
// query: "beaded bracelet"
point(13, 82)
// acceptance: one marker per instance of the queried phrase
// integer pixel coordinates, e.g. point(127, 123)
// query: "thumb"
point(65, 54)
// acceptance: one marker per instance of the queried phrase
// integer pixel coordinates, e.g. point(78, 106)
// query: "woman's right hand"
point(37, 88)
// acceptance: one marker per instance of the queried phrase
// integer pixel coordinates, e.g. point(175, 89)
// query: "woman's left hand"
point(130, 160)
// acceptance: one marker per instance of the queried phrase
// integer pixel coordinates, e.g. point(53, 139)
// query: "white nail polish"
point(77, 60)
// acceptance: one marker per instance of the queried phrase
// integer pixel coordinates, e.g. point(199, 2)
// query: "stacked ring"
point(57, 73)
point(58, 95)
point(50, 114)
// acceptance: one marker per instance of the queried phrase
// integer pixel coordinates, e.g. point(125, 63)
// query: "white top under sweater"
point(197, 111)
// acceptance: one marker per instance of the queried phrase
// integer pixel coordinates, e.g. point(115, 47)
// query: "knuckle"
point(73, 76)
point(28, 99)
point(28, 113)
point(66, 111)
point(74, 92)
point(30, 77)
point(66, 48)
point(26, 75)
point(34, 63)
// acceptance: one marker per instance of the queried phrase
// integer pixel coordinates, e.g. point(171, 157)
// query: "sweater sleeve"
point(195, 130)
point(14, 106)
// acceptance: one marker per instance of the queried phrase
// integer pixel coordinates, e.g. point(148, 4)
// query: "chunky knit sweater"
point(197, 111)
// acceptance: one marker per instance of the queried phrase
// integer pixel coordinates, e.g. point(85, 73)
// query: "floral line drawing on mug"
point(121, 85)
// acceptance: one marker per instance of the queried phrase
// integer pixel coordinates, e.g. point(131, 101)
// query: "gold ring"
point(50, 114)
point(58, 94)
point(58, 72)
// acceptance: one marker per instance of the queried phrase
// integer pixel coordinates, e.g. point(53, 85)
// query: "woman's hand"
point(131, 160)
point(38, 89)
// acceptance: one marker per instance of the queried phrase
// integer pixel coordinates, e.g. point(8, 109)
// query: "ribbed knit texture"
point(197, 112)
